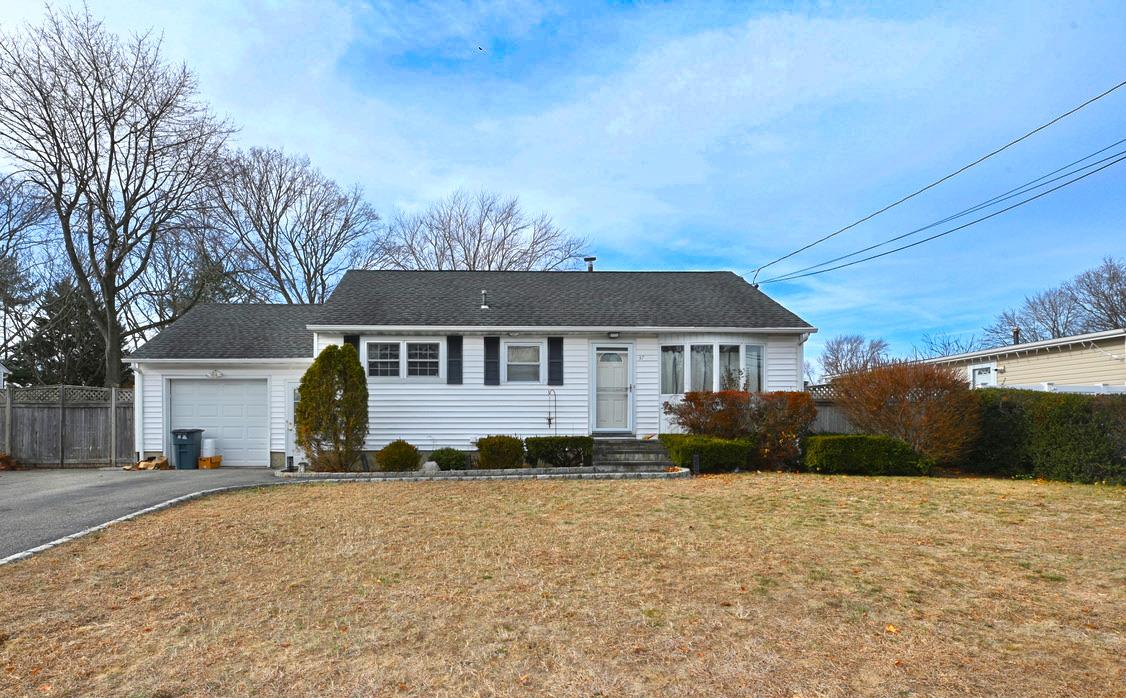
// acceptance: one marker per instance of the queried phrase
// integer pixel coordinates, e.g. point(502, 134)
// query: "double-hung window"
point(522, 363)
point(383, 359)
point(405, 359)
point(423, 358)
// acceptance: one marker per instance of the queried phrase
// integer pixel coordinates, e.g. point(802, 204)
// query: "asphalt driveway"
point(39, 506)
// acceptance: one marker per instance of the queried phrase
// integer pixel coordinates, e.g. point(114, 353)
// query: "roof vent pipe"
point(484, 299)
point(1016, 335)
point(590, 262)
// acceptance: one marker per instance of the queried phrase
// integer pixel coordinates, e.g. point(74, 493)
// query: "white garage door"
point(233, 412)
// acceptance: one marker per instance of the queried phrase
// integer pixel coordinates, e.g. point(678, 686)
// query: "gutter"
point(548, 329)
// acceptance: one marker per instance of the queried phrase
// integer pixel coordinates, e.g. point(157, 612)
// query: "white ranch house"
point(453, 356)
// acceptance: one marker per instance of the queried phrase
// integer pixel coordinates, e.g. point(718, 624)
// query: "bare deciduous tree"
point(481, 233)
point(947, 345)
point(851, 353)
point(118, 142)
point(22, 268)
point(1045, 315)
point(1101, 294)
point(1091, 302)
point(296, 230)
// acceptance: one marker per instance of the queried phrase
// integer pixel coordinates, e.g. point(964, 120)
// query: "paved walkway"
point(39, 506)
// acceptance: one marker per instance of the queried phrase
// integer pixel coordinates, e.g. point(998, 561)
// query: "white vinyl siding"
point(433, 415)
point(154, 433)
point(430, 413)
point(783, 363)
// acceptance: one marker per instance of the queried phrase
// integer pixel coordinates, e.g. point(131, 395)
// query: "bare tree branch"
point(483, 232)
point(296, 230)
point(851, 353)
point(118, 143)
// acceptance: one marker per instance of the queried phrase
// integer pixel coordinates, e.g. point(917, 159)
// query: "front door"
point(291, 447)
point(612, 389)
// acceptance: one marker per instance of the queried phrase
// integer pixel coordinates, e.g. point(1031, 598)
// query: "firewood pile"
point(150, 463)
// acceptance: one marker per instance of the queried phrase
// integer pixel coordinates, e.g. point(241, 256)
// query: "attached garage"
point(233, 412)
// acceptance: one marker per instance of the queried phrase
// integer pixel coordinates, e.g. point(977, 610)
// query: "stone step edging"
point(596, 473)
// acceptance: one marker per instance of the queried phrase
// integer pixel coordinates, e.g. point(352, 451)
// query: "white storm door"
point(291, 447)
point(233, 412)
point(612, 389)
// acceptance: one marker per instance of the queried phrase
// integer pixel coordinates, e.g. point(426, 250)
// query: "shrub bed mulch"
point(771, 584)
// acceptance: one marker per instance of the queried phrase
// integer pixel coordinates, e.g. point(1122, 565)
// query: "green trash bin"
point(185, 444)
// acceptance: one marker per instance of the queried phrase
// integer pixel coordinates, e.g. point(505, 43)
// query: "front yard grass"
point(766, 584)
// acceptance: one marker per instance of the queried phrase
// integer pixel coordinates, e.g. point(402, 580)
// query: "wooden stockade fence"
point(67, 426)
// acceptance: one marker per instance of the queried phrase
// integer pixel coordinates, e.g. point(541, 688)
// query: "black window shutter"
point(555, 361)
point(354, 340)
point(492, 360)
point(453, 359)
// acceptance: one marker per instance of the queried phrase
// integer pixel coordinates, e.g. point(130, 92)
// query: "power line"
point(1040, 181)
point(941, 180)
point(952, 230)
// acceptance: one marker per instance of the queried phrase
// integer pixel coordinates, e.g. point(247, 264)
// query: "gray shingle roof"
point(553, 299)
point(453, 298)
point(236, 331)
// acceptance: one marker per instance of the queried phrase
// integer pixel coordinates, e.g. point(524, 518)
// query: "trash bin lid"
point(186, 431)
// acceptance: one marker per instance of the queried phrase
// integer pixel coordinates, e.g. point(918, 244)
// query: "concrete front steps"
point(630, 454)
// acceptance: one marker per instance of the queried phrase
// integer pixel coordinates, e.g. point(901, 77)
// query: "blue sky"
point(703, 136)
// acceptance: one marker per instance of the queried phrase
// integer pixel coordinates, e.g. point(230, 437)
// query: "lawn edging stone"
point(574, 473)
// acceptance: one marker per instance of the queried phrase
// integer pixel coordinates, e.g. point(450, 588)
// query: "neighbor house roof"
point(235, 331)
point(1029, 347)
point(552, 299)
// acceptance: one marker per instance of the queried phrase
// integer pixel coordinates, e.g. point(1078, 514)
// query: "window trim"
point(686, 347)
point(398, 359)
point(991, 365)
point(402, 376)
point(542, 363)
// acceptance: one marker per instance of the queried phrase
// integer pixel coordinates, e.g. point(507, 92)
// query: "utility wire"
point(941, 180)
point(1037, 183)
point(952, 230)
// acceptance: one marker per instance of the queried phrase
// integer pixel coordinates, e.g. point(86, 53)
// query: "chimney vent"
point(1016, 335)
point(484, 299)
point(590, 262)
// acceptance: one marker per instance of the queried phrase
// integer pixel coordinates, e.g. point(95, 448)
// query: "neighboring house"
point(3, 376)
point(453, 356)
point(1088, 363)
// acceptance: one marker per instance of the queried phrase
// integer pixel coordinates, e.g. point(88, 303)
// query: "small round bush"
point(398, 456)
point(500, 452)
point(449, 458)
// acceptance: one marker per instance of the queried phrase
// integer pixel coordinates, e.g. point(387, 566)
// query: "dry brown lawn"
point(781, 585)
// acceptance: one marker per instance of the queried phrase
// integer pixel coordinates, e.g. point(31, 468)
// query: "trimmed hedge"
point(494, 452)
point(1056, 436)
point(861, 454)
point(449, 458)
point(398, 456)
point(716, 455)
point(560, 451)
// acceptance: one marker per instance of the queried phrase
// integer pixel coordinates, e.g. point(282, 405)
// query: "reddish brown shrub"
point(774, 422)
point(8, 463)
point(930, 407)
point(727, 414)
point(783, 418)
